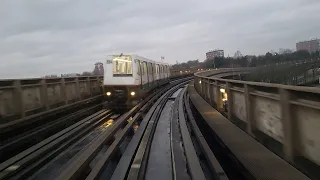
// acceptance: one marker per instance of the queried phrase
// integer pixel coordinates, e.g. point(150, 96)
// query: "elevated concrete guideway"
point(27, 103)
point(286, 119)
point(217, 126)
point(21, 98)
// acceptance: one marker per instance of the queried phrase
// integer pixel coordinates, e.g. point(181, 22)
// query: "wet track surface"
point(53, 167)
point(159, 163)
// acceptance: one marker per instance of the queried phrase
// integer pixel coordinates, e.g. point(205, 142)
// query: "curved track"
point(43, 155)
point(167, 144)
point(30, 160)
point(160, 138)
point(21, 141)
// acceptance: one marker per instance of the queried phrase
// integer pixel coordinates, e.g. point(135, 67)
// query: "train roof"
point(134, 56)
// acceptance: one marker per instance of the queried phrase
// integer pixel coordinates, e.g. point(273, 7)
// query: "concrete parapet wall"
point(289, 115)
point(23, 97)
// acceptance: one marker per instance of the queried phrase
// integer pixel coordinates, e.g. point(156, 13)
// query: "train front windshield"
point(122, 66)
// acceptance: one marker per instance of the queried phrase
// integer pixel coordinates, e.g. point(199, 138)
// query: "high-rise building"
point(98, 69)
point(310, 46)
point(215, 53)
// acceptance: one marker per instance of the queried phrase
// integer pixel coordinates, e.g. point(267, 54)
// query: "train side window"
point(138, 66)
point(165, 69)
point(144, 68)
point(157, 69)
point(153, 69)
point(149, 68)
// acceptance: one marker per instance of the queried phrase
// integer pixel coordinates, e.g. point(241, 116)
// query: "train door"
point(144, 75)
point(161, 73)
point(140, 72)
point(154, 74)
point(150, 76)
point(157, 73)
point(145, 66)
point(147, 75)
point(167, 72)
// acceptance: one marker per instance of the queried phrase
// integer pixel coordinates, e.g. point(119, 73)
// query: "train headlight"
point(133, 93)
point(108, 93)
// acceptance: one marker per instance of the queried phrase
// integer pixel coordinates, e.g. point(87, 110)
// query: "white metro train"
point(128, 78)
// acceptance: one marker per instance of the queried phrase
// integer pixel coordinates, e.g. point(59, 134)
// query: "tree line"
point(248, 61)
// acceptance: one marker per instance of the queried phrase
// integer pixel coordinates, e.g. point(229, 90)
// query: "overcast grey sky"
point(39, 37)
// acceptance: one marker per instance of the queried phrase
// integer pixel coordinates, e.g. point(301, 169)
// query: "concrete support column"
point(63, 91)
point(99, 85)
point(202, 87)
point(208, 92)
point(195, 83)
point(288, 125)
point(88, 86)
point(205, 87)
point(18, 99)
point(228, 86)
point(199, 86)
point(44, 94)
point(211, 94)
point(249, 110)
point(2, 104)
point(218, 96)
point(78, 88)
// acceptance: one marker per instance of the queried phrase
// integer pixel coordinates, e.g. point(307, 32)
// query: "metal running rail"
point(20, 142)
point(30, 160)
point(136, 160)
point(153, 154)
point(93, 154)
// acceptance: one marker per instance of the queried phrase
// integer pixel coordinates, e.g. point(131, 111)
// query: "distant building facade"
point(98, 69)
point(310, 46)
point(238, 54)
point(214, 53)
